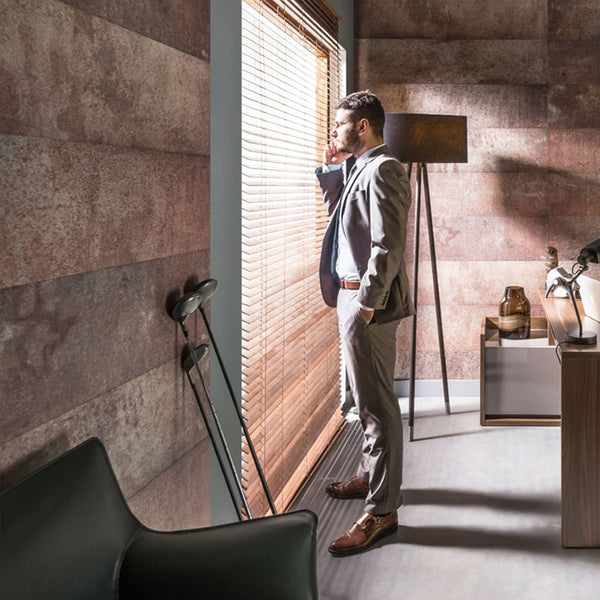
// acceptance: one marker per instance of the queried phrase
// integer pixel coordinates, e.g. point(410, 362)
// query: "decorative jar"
point(514, 320)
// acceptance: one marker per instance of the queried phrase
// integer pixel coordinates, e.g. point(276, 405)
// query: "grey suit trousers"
point(370, 353)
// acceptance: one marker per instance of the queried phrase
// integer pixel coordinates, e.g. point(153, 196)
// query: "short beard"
point(352, 144)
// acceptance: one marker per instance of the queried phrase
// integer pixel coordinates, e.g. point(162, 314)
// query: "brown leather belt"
point(349, 285)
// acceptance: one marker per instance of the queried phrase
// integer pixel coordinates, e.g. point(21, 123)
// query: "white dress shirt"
point(345, 267)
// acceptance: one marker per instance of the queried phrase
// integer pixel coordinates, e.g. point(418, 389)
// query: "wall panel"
point(526, 76)
point(573, 20)
point(106, 327)
point(451, 62)
point(493, 105)
point(181, 24)
point(88, 79)
point(175, 498)
point(137, 421)
point(573, 106)
point(440, 19)
point(77, 207)
point(574, 62)
point(104, 146)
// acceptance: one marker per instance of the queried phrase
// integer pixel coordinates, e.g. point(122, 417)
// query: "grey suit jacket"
point(374, 206)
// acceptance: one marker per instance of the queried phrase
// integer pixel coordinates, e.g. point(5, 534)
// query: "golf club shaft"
point(239, 414)
point(214, 445)
point(216, 419)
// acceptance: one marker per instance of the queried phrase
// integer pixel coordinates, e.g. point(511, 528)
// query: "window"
point(290, 349)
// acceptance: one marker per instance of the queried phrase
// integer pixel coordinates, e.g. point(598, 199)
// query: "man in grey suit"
point(362, 273)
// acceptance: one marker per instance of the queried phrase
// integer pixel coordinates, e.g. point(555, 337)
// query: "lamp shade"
point(426, 138)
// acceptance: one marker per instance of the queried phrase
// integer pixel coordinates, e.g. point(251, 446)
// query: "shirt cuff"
point(365, 307)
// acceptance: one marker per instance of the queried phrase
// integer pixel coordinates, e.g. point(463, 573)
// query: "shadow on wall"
point(566, 202)
point(35, 459)
point(174, 295)
point(108, 376)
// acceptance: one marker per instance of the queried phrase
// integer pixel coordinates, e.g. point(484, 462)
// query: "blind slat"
point(291, 70)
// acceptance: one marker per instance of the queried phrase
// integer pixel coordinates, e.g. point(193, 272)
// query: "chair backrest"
point(64, 530)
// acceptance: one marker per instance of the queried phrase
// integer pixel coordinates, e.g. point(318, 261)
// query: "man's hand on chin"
point(332, 156)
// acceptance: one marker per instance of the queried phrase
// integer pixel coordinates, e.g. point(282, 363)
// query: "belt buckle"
point(345, 284)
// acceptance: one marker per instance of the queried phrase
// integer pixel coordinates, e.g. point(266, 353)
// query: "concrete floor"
point(480, 519)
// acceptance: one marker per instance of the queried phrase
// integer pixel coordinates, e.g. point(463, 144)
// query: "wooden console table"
point(580, 426)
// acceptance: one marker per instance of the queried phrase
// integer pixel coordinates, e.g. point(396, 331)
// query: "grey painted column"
point(225, 229)
point(345, 8)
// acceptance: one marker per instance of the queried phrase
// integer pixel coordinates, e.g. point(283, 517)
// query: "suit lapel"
point(350, 183)
point(359, 167)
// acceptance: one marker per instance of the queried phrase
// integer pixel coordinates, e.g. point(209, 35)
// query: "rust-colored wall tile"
point(573, 19)
point(575, 150)
point(479, 283)
point(500, 193)
point(69, 340)
point(487, 238)
point(105, 216)
point(574, 62)
point(73, 207)
point(461, 325)
point(89, 80)
point(506, 150)
point(440, 19)
point(452, 62)
point(572, 195)
point(146, 424)
point(181, 24)
point(178, 498)
point(571, 234)
point(574, 106)
point(460, 364)
point(507, 106)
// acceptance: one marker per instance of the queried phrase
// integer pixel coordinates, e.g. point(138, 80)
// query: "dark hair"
point(365, 105)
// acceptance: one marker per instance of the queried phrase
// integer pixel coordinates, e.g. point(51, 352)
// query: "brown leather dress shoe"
point(364, 533)
point(353, 488)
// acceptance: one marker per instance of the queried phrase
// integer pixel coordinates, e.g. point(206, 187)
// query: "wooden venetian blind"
point(291, 78)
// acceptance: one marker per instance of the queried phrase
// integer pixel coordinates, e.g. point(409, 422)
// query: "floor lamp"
point(422, 139)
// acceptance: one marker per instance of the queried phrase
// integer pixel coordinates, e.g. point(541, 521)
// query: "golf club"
point(191, 362)
point(205, 290)
point(184, 307)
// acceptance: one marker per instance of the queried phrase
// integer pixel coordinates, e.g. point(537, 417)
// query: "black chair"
point(67, 533)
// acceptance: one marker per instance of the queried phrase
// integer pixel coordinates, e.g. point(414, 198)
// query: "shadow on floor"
point(417, 438)
point(538, 541)
point(543, 541)
point(509, 502)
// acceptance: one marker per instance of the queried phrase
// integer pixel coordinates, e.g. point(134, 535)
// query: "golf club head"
point(206, 289)
point(200, 351)
point(185, 306)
